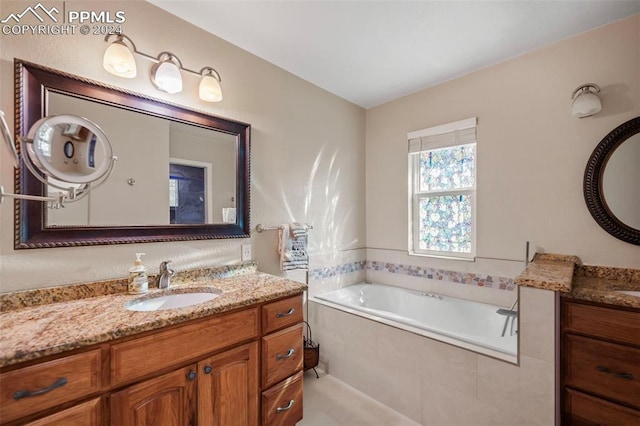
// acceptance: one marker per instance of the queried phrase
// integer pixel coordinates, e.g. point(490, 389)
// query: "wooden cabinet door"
point(228, 388)
point(168, 400)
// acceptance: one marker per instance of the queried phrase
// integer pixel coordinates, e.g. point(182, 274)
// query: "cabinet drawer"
point(282, 313)
point(85, 414)
point(139, 357)
point(603, 368)
point(583, 409)
point(281, 355)
point(282, 404)
point(610, 324)
point(35, 388)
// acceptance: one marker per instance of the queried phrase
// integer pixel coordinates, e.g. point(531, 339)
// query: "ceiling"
point(371, 52)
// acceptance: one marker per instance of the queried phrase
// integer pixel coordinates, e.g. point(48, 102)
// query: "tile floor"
point(330, 402)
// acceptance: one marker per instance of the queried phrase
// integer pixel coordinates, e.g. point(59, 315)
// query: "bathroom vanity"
point(600, 347)
point(236, 360)
point(599, 327)
point(600, 363)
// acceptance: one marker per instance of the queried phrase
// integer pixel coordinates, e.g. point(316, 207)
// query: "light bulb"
point(586, 104)
point(209, 89)
point(166, 76)
point(118, 60)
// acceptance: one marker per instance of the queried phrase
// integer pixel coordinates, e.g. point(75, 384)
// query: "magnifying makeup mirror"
point(72, 152)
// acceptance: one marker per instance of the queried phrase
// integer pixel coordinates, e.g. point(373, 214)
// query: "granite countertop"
point(566, 275)
point(550, 272)
point(39, 330)
point(602, 284)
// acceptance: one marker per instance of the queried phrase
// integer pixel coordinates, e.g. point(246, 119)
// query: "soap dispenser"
point(138, 281)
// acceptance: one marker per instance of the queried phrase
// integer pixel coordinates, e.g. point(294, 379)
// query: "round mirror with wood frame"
point(594, 188)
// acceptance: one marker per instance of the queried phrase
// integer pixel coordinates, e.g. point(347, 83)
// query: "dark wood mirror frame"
point(593, 183)
point(32, 82)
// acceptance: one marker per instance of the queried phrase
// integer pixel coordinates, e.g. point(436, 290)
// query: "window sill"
point(440, 256)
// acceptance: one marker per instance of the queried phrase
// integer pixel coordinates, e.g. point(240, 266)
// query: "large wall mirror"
point(612, 182)
point(181, 174)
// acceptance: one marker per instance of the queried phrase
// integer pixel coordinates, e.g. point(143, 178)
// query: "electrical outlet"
point(246, 252)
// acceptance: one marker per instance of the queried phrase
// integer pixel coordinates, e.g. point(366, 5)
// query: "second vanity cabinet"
point(600, 364)
point(206, 372)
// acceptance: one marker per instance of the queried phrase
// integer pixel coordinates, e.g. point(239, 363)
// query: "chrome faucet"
point(509, 314)
point(164, 279)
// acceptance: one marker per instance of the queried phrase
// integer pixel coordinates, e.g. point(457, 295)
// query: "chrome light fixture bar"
point(165, 75)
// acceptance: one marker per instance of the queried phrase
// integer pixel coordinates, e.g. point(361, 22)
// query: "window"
point(442, 179)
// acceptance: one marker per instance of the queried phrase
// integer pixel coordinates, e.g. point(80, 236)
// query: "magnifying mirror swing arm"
point(67, 194)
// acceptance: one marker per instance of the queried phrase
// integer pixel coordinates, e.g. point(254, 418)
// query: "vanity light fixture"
point(119, 60)
point(586, 101)
point(165, 74)
point(210, 89)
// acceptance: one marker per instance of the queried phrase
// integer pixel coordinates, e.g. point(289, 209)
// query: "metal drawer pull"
point(285, 314)
point(281, 409)
point(25, 393)
point(627, 376)
point(288, 355)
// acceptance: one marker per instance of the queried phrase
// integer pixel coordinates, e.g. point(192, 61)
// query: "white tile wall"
point(321, 260)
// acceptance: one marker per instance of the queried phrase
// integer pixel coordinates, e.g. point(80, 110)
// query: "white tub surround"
point(470, 325)
point(437, 383)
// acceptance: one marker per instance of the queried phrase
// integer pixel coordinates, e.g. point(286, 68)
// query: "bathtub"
point(471, 325)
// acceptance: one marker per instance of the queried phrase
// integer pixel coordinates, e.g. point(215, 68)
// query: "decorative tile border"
point(469, 278)
point(346, 268)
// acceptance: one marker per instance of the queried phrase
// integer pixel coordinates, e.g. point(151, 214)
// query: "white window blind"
point(456, 133)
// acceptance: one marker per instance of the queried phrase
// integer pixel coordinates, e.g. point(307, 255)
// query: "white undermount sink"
point(629, 293)
point(170, 301)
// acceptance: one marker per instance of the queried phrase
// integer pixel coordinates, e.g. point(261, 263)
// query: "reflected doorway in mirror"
point(189, 188)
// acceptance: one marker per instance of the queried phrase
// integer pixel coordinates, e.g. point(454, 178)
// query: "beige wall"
point(531, 151)
point(307, 148)
point(131, 136)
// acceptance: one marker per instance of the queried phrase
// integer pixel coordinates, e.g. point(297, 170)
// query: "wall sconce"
point(586, 101)
point(210, 89)
point(165, 74)
point(118, 59)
